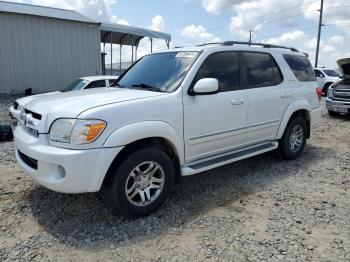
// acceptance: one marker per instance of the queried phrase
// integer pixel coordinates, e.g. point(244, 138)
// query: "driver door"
point(216, 123)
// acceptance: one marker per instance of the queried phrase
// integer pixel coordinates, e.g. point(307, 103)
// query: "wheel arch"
point(299, 108)
point(144, 134)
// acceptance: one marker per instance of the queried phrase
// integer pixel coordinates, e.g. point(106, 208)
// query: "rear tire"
point(332, 113)
point(293, 141)
point(141, 183)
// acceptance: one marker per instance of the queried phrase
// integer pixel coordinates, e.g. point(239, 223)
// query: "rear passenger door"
point(268, 96)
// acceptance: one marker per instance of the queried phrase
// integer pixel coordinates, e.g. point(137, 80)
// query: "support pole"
point(250, 37)
point(120, 59)
point(319, 33)
point(111, 52)
point(151, 39)
point(132, 49)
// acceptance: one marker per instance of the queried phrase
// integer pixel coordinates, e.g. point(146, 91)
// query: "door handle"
point(237, 102)
point(285, 95)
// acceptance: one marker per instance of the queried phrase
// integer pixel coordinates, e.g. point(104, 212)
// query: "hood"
point(344, 65)
point(24, 100)
point(72, 104)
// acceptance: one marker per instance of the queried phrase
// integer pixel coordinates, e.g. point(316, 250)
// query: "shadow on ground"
point(83, 222)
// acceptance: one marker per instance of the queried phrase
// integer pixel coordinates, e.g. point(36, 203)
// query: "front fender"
point(295, 106)
point(147, 129)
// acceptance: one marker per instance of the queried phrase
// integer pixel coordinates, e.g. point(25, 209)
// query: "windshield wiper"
point(145, 86)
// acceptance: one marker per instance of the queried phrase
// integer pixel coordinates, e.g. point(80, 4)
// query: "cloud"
point(116, 20)
point(158, 23)
point(95, 9)
point(199, 33)
point(217, 6)
point(336, 13)
point(329, 52)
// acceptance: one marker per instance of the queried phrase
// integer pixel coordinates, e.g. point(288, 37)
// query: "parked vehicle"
point(325, 77)
point(90, 82)
point(86, 82)
point(174, 113)
point(338, 96)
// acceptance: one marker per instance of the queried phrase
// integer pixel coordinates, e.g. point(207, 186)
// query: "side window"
point(301, 67)
point(223, 66)
point(96, 84)
point(261, 70)
point(111, 81)
point(318, 73)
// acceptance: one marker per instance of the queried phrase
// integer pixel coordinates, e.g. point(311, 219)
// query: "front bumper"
point(337, 106)
point(59, 169)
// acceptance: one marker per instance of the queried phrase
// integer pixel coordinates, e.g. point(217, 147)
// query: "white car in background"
point(90, 82)
point(325, 77)
point(87, 82)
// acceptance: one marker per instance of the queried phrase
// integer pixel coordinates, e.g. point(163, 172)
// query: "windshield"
point(76, 85)
point(331, 72)
point(162, 72)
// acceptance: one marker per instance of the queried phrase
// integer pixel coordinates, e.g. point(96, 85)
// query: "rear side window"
point(223, 66)
point(261, 70)
point(301, 67)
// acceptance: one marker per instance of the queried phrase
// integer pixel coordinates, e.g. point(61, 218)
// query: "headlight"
point(86, 131)
point(330, 92)
point(76, 131)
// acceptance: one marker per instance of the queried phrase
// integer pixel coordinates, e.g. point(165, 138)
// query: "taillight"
point(319, 92)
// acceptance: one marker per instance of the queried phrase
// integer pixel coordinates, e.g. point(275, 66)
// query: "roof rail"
point(227, 43)
point(259, 44)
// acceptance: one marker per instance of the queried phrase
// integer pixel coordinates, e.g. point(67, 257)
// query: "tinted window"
point(261, 70)
point(161, 72)
point(76, 85)
point(301, 67)
point(96, 84)
point(330, 72)
point(318, 73)
point(111, 81)
point(224, 67)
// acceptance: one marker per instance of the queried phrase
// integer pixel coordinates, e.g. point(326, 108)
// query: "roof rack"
point(227, 43)
point(259, 44)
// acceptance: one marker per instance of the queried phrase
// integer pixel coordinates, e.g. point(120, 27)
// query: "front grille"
point(33, 163)
point(342, 92)
point(35, 115)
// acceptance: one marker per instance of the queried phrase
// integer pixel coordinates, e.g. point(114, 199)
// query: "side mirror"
point(322, 76)
point(205, 86)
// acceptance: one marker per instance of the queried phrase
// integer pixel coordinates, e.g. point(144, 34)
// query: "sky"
point(190, 22)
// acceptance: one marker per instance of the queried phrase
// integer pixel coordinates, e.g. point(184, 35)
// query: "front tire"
point(141, 183)
point(332, 113)
point(294, 139)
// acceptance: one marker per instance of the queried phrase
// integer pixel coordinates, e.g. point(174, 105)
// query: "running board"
point(226, 158)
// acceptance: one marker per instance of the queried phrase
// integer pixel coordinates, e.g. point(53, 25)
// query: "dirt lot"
point(259, 209)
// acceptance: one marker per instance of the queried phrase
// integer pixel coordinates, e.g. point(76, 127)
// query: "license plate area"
point(340, 109)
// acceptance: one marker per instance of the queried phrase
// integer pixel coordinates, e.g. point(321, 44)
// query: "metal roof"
point(128, 35)
point(36, 10)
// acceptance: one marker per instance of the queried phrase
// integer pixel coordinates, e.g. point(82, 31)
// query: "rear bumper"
point(315, 115)
point(59, 169)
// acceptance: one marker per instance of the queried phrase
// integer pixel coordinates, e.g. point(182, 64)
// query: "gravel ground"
point(259, 209)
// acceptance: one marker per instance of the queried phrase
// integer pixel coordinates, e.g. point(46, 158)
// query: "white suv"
point(175, 113)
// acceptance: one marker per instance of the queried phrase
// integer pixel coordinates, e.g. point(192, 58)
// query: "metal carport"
point(128, 35)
